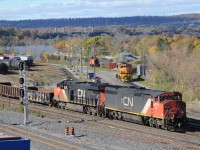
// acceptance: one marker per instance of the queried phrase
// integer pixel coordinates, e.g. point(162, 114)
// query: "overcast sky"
point(45, 9)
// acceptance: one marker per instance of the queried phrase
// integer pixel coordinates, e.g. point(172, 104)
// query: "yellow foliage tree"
point(44, 56)
point(195, 41)
point(153, 50)
point(177, 37)
point(170, 40)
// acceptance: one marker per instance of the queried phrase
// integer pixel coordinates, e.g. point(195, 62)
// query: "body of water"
point(34, 50)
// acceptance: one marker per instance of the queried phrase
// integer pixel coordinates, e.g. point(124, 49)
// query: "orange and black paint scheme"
point(124, 72)
point(94, 61)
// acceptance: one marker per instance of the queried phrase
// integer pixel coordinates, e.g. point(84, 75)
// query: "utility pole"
point(143, 63)
point(81, 59)
point(74, 57)
point(70, 57)
point(94, 60)
point(23, 90)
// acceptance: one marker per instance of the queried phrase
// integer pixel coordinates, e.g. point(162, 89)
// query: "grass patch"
point(156, 86)
point(17, 107)
point(187, 95)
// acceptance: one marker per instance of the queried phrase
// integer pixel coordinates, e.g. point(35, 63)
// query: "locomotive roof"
point(90, 85)
point(121, 89)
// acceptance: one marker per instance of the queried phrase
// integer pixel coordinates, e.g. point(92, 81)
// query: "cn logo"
point(127, 101)
point(81, 93)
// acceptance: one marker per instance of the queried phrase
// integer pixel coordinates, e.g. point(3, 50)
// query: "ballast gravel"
point(99, 138)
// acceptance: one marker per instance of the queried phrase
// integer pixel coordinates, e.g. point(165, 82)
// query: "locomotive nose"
point(180, 109)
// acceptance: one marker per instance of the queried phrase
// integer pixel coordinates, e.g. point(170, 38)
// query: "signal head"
point(21, 66)
point(21, 80)
point(21, 93)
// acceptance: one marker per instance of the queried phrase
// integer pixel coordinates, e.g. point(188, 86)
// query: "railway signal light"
point(21, 80)
point(21, 66)
point(21, 93)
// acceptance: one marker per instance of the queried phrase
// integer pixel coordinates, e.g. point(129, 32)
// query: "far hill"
point(101, 21)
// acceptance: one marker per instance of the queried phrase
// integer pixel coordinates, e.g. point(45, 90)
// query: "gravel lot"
point(87, 136)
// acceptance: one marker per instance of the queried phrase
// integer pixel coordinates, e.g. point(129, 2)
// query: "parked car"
point(90, 75)
point(96, 79)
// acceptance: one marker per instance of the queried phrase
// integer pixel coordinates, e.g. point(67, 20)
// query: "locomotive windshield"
point(175, 97)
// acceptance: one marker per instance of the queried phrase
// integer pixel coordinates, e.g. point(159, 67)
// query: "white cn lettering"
point(81, 93)
point(127, 101)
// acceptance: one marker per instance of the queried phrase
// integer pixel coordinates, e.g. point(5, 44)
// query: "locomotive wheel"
point(157, 123)
point(117, 116)
point(170, 128)
point(110, 116)
point(50, 104)
point(85, 110)
point(151, 122)
point(88, 111)
point(114, 115)
point(145, 121)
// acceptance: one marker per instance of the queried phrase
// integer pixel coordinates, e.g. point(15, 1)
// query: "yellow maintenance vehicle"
point(124, 72)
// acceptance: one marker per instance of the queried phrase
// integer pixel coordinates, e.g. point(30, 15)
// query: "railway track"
point(66, 74)
point(129, 130)
point(49, 141)
point(194, 123)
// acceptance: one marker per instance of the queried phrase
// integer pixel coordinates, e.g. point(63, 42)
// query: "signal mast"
point(22, 90)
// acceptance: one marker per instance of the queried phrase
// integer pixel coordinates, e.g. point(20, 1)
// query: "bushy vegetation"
point(175, 61)
point(101, 21)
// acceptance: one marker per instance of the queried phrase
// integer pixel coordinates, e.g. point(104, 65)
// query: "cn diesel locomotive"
point(160, 109)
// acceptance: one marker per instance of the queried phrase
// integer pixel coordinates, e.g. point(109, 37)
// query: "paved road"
point(107, 76)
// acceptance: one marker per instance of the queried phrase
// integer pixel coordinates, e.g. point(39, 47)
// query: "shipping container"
point(141, 70)
point(111, 65)
point(14, 143)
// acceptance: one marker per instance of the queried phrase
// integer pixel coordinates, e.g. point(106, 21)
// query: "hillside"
point(100, 21)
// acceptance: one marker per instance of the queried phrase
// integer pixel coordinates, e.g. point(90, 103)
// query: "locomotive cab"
point(170, 108)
